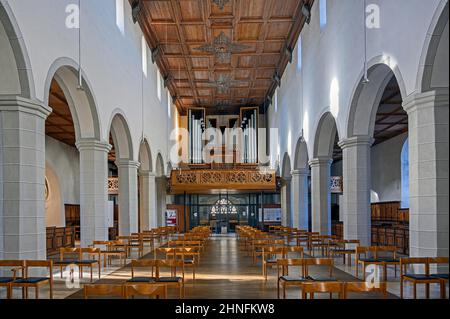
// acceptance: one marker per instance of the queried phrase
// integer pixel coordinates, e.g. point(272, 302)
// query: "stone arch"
point(301, 155)
point(81, 102)
point(16, 77)
point(325, 136)
point(159, 166)
point(367, 96)
point(434, 62)
point(120, 132)
point(145, 156)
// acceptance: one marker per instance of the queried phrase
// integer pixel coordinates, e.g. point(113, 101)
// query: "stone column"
point(161, 201)
point(286, 219)
point(321, 195)
point(299, 186)
point(22, 174)
point(428, 173)
point(355, 205)
point(147, 200)
point(93, 190)
point(128, 197)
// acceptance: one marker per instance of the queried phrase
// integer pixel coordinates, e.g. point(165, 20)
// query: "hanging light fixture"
point(80, 76)
point(366, 72)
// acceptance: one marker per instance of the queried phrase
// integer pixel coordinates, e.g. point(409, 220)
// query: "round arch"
point(145, 156)
point(159, 168)
point(81, 102)
point(301, 155)
point(121, 136)
point(367, 96)
point(325, 136)
point(434, 62)
point(16, 77)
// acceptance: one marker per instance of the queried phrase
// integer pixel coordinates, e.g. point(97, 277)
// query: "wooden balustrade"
point(59, 237)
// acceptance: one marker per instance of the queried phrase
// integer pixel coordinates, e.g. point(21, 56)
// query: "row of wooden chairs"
point(22, 277)
point(126, 291)
point(342, 289)
point(76, 256)
point(153, 273)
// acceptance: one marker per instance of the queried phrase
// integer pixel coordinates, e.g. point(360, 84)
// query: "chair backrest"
point(326, 262)
point(17, 265)
point(143, 263)
point(144, 290)
point(382, 251)
point(172, 264)
point(329, 287)
point(284, 265)
point(90, 251)
point(100, 290)
point(294, 250)
point(363, 287)
point(48, 264)
point(74, 252)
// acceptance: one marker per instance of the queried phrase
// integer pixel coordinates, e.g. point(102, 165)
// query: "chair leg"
point(37, 292)
point(51, 291)
point(427, 291)
point(401, 288)
point(443, 290)
point(415, 290)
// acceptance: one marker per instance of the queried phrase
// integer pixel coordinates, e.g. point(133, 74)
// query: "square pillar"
point(321, 195)
point(286, 219)
point(147, 197)
point(128, 197)
point(299, 186)
point(93, 190)
point(428, 173)
point(355, 206)
point(22, 174)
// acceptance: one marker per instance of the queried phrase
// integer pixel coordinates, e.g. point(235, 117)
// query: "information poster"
point(171, 218)
point(270, 215)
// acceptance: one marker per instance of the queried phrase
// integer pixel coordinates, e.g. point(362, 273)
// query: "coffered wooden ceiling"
point(226, 53)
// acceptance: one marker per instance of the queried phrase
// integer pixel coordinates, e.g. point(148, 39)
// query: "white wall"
point(386, 169)
point(332, 64)
point(63, 168)
point(111, 62)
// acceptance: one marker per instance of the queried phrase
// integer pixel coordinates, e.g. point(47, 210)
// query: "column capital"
point(435, 98)
point(21, 104)
point(320, 161)
point(359, 140)
point(92, 144)
point(300, 172)
point(125, 163)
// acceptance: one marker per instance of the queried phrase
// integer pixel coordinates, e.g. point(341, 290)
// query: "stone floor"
point(226, 272)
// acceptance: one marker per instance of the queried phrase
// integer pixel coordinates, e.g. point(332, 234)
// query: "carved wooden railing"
point(233, 179)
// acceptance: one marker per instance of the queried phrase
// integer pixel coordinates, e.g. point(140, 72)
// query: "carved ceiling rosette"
point(222, 47)
point(221, 3)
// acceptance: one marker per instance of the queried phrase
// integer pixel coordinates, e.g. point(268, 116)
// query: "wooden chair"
point(362, 287)
point(443, 277)
point(321, 243)
point(328, 287)
point(103, 290)
point(269, 258)
point(284, 277)
point(173, 279)
point(376, 255)
point(107, 252)
point(189, 256)
point(35, 282)
point(17, 266)
point(64, 261)
point(319, 262)
point(144, 290)
point(146, 264)
point(424, 278)
point(91, 263)
point(340, 247)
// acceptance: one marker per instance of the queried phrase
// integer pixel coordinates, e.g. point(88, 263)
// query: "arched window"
point(223, 206)
point(404, 158)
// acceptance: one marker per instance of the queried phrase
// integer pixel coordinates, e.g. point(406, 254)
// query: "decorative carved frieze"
point(113, 185)
point(207, 180)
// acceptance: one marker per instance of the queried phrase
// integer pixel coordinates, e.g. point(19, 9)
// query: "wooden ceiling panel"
point(191, 11)
point(221, 55)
